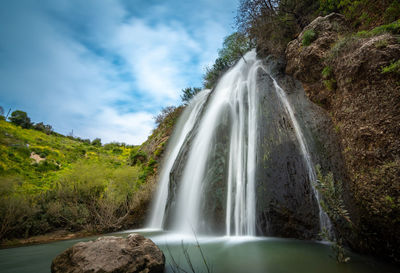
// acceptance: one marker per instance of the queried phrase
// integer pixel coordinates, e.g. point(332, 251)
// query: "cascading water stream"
point(221, 127)
point(324, 221)
point(183, 128)
point(233, 96)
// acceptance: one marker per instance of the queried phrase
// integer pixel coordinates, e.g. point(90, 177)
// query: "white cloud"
point(128, 128)
point(103, 68)
point(158, 56)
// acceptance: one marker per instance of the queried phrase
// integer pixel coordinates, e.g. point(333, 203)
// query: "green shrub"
point(137, 157)
point(332, 196)
point(46, 166)
point(20, 118)
point(309, 36)
point(327, 72)
point(96, 142)
point(392, 68)
point(330, 84)
point(392, 12)
point(392, 28)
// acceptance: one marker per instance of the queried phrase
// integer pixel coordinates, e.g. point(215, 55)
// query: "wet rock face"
point(111, 254)
point(286, 205)
point(364, 105)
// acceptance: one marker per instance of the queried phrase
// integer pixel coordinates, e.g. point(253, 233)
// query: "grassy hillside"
point(50, 182)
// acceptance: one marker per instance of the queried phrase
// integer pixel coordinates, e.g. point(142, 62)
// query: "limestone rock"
point(111, 254)
point(364, 104)
point(306, 62)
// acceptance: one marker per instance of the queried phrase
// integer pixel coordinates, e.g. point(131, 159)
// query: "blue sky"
point(104, 68)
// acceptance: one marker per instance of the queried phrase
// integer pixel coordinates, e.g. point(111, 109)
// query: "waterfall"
point(324, 221)
point(209, 177)
point(183, 128)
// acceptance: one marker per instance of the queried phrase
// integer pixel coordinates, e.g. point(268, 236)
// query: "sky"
point(105, 68)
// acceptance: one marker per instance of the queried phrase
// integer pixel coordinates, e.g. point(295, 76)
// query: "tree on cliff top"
point(273, 23)
point(188, 93)
point(233, 48)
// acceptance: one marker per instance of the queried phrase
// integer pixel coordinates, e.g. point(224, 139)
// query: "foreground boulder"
point(111, 254)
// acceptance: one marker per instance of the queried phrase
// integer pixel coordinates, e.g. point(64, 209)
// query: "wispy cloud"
point(104, 68)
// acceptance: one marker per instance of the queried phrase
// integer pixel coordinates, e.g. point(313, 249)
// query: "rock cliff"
point(343, 72)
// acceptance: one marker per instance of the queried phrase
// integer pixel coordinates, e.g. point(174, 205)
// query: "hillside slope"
point(50, 182)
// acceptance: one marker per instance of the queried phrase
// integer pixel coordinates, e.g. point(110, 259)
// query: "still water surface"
point(223, 254)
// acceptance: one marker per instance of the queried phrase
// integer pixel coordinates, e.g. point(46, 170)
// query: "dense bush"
point(96, 142)
point(20, 118)
point(45, 128)
point(89, 196)
point(309, 36)
point(137, 157)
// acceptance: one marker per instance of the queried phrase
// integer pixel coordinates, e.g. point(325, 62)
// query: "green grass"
point(75, 186)
point(392, 68)
point(327, 72)
point(309, 36)
point(392, 28)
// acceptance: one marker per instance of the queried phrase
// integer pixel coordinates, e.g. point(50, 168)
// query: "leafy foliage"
point(393, 28)
point(233, 48)
point(272, 24)
point(332, 203)
point(309, 36)
point(165, 112)
point(96, 142)
point(188, 93)
point(137, 157)
point(332, 196)
point(21, 118)
point(363, 13)
point(45, 128)
point(392, 68)
point(49, 181)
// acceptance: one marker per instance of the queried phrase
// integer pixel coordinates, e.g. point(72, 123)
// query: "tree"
point(45, 128)
point(273, 23)
point(188, 93)
point(166, 111)
point(2, 113)
point(233, 48)
point(21, 118)
point(96, 142)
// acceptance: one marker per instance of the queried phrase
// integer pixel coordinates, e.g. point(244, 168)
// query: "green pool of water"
point(266, 255)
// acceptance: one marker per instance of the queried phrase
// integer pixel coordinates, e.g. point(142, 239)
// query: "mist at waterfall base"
point(237, 177)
